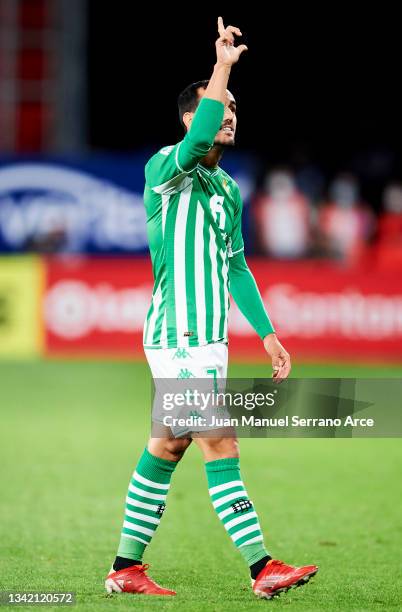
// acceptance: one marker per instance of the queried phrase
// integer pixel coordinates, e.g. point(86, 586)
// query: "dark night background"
point(318, 85)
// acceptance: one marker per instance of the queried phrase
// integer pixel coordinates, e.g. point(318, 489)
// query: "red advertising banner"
point(320, 310)
point(96, 306)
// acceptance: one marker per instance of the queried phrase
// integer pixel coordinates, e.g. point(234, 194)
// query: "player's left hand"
point(280, 358)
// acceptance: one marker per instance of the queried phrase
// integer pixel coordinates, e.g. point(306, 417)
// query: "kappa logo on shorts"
point(194, 414)
point(181, 353)
point(185, 373)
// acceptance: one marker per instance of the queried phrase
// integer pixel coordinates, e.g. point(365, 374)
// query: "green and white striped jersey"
point(194, 227)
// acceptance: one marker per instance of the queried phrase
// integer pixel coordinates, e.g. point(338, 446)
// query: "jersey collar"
point(213, 172)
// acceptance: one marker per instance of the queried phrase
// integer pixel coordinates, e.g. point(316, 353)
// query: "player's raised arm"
point(204, 121)
point(203, 125)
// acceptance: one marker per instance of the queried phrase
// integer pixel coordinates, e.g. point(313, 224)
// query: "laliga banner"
point(98, 306)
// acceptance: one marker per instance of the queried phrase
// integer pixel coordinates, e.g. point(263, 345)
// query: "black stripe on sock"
point(258, 566)
point(121, 563)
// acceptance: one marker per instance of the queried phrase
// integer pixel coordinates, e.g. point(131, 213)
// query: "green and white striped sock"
point(145, 503)
point(234, 509)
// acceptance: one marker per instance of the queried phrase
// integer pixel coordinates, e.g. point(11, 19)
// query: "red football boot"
point(277, 577)
point(133, 579)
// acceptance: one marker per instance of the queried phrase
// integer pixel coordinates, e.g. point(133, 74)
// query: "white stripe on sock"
point(149, 483)
point(140, 504)
point(240, 519)
point(226, 485)
point(226, 498)
point(258, 538)
point(143, 493)
point(143, 517)
point(225, 513)
point(135, 527)
point(245, 531)
point(133, 537)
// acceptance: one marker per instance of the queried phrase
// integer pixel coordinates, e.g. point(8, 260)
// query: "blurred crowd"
point(288, 215)
point(292, 221)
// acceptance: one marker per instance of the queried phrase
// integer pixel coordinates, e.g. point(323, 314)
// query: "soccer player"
point(194, 226)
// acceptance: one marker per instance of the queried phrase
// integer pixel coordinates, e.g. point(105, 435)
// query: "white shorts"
point(204, 367)
point(195, 360)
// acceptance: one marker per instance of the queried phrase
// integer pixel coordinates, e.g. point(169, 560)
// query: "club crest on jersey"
point(225, 185)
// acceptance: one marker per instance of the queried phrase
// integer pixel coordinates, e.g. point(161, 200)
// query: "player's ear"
point(187, 119)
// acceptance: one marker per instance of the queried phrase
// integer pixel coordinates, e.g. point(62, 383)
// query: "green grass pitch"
point(71, 433)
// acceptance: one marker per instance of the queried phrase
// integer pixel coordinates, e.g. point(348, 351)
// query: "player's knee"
point(226, 447)
point(176, 448)
point(171, 449)
point(219, 448)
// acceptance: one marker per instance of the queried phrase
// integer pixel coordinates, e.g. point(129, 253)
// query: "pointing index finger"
point(221, 27)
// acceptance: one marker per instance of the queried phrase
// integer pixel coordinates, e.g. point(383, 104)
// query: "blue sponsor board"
point(78, 205)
